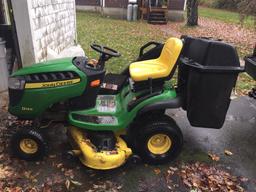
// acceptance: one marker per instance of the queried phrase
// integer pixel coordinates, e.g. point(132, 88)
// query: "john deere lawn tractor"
point(112, 116)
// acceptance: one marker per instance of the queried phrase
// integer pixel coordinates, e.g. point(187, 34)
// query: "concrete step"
point(157, 22)
point(157, 14)
point(157, 18)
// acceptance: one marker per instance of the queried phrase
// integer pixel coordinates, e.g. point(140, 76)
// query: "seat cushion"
point(160, 67)
point(143, 70)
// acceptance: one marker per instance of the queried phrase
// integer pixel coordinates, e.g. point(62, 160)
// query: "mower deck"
point(102, 160)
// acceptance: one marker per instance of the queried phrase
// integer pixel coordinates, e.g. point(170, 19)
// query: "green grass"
point(126, 37)
point(244, 84)
point(224, 15)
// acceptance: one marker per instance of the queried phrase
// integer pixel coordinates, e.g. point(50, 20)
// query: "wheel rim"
point(159, 144)
point(28, 146)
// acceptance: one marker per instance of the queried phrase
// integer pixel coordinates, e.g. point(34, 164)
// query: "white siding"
point(49, 23)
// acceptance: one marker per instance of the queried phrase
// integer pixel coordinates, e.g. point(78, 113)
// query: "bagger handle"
point(216, 69)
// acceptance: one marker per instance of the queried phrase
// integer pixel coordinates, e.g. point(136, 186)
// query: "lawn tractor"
point(113, 117)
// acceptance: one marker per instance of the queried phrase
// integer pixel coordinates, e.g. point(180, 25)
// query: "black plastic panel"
point(208, 71)
point(250, 66)
point(89, 96)
point(15, 96)
point(113, 84)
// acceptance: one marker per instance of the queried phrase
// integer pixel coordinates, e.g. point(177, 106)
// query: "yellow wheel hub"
point(28, 146)
point(159, 144)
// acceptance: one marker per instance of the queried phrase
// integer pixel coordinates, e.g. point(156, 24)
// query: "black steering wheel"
point(105, 51)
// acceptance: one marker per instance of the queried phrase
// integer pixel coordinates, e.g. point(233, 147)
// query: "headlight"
point(17, 83)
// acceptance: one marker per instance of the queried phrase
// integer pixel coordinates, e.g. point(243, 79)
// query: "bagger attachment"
point(208, 70)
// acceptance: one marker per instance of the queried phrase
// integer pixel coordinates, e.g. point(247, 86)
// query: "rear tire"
point(159, 141)
point(29, 144)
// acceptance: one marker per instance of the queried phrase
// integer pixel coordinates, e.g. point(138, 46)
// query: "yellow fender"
point(103, 160)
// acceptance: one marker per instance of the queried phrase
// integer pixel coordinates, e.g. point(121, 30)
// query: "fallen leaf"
point(187, 183)
point(173, 168)
point(157, 171)
point(52, 156)
point(244, 179)
point(229, 153)
point(169, 187)
point(214, 157)
point(119, 187)
point(202, 177)
point(67, 184)
point(76, 182)
point(59, 165)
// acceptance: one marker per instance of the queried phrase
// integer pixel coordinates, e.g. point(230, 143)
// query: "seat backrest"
point(170, 53)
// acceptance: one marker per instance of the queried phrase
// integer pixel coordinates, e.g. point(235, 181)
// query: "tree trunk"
point(192, 12)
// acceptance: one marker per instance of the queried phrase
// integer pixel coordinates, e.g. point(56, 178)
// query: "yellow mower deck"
point(103, 160)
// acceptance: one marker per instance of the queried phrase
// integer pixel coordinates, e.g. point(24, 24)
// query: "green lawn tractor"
point(113, 117)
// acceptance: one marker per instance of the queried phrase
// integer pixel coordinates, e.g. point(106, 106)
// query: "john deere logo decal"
point(51, 84)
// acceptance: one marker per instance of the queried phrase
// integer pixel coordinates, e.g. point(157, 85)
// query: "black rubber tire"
point(29, 134)
point(161, 125)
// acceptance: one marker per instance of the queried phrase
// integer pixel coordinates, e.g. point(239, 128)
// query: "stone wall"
point(50, 24)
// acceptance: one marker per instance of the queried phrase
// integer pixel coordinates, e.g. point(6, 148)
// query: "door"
point(158, 3)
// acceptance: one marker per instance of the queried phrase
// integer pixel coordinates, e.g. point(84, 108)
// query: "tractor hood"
point(64, 64)
point(49, 82)
point(35, 89)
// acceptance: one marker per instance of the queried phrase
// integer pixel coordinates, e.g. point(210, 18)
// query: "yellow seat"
point(160, 67)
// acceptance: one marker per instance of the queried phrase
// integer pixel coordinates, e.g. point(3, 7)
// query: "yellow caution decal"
point(51, 84)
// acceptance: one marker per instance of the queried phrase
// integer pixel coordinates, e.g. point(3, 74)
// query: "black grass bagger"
point(208, 71)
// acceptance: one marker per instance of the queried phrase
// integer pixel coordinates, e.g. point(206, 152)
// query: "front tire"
point(159, 141)
point(29, 144)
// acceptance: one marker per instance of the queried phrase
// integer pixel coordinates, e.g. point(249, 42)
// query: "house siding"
point(176, 4)
point(116, 3)
point(172, 4)
point(88, 2)
point(117, 8)
point(43, 24)
point(53, 25)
